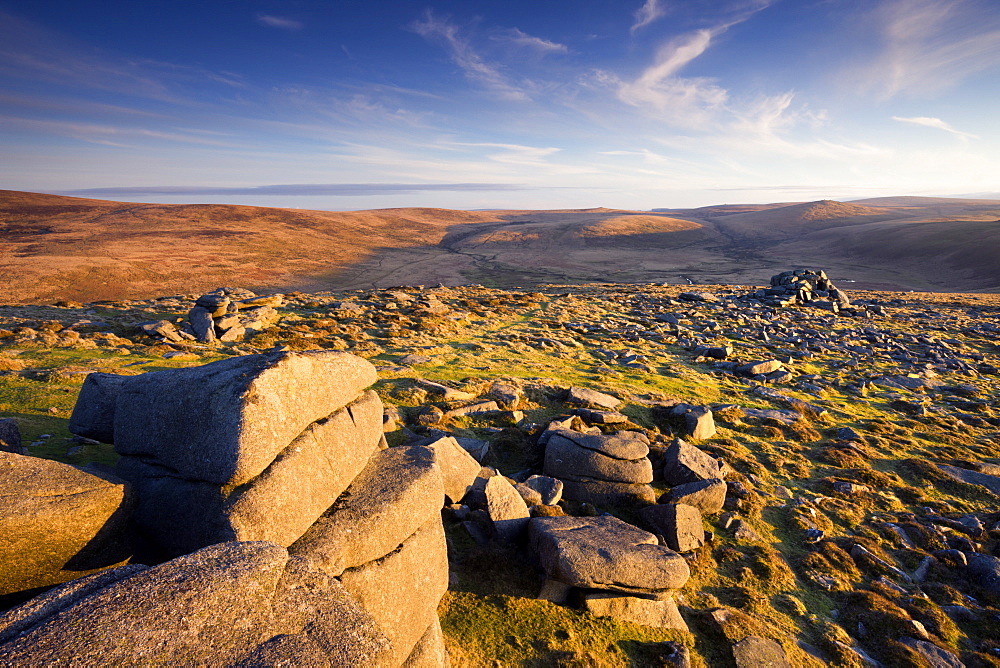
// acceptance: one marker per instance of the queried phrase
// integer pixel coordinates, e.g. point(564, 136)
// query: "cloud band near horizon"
point(300, 189)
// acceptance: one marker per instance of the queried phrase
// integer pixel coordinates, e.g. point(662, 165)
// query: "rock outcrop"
point(58, 522)
point(227, 604)
point(248, 448)
point(296, 537)
point(605, 553)
point(600, 468)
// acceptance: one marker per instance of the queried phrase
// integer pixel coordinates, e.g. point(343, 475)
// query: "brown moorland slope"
point(54, 248)
point(70, 248)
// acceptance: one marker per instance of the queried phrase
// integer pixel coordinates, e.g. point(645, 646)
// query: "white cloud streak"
point(932, 45)
point(108, 135)
point(679, 100)
point(650, 11)
point(936, 123)
point(693, 103)
point(463, 54)
point(280, 22)
point(521, 39)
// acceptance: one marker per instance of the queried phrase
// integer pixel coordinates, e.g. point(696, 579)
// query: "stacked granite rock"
point(295, 536)
point(600, 468)
point(226, 314)
point(698, 488)
point(595, 467)
point(621, 570)
point(803, 286)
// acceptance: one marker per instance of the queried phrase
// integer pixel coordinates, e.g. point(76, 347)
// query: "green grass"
point(519, 631)
point(491, 614)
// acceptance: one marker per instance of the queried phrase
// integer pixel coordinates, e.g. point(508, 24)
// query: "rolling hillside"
point(63, 248)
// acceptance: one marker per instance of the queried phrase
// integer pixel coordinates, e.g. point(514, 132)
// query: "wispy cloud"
point(520, 39)
point(299, 189)
point(516, 153)
point(31, 52)
point(107, 135)
point(650, 11)
point(690, 102)
point(465, 55)
point(678, 100)
point(937, 123)
point(281, 22)
point(932, 45)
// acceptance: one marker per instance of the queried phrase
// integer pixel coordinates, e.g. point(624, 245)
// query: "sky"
point(471, 104)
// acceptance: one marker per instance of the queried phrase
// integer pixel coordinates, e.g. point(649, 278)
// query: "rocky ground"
point(859, 445)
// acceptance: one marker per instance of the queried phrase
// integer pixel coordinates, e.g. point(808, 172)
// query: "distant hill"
point(67, 248)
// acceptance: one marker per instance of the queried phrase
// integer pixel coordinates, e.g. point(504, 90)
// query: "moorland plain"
point(54, 247)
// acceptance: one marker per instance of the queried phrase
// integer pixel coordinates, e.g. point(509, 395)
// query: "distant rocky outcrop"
point(226, 314)
point(803, 286)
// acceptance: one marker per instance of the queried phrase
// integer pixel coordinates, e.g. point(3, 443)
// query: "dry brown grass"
point(59, 248)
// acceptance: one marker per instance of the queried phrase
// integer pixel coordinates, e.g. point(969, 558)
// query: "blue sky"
point(473, 104)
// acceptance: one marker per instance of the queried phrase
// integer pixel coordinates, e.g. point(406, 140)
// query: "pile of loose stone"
point(226, 314)
point(803, 286)
point(278, 528)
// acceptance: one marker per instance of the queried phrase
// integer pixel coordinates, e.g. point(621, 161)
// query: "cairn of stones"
point(803, 286)
point(226, 314)
point(255, 517)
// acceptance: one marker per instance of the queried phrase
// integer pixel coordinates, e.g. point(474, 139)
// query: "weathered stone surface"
point(459, 469)
point(209, 607)
point(163, 328)
point(399, 491)
point(402, 590)
point(985, 570)
point(678, 523)
point(936, 657)
point(507, 509)
point(430, 651)
point(263, 300)
point(17, 620)
point(10, 437)
point(604, 553)
point(279, 505)
point(549, 489)
point(225, 422)
point(685, 463)
point(565, 458)
point(473, 409)
point(287, 650)
point(743, 531)
point(990, 482)
point(604, 492)
point(601, 417)
point(698, 297)
point(302, 482)
point(258, 318)
point(708, 496)
point(554, 591)
point(585, 397)
point(661, 614)
point(58, 522)
point(318, 620)
point(699, 423)
point(445, 392)
point(756, 652)
point(758, 367)
point(671, 654)
point(625, 445)
point(94, 413)
point(202, 324)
